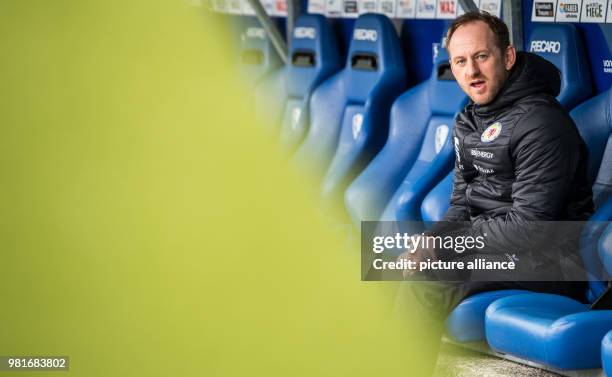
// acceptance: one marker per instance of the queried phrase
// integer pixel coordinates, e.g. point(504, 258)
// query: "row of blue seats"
point(336, 123)
point(389, 156)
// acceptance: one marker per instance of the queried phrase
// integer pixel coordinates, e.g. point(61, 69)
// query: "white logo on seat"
point(365, 35)
point(553, 47)
point(441, 135)
point(295, 117)
point(491, 133)
point(304, 33)
point(357, 121)
point(256, 32)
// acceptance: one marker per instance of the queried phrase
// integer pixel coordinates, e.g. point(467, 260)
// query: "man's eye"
point(460, 61)
point(482, 57)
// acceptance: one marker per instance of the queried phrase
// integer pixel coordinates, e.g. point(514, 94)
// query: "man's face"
point(480, 68)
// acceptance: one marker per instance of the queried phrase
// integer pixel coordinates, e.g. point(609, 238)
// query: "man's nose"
point(472, 68)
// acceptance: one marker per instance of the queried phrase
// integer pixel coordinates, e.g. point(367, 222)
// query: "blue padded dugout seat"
point(437, 201)
point(313, 57)
point(561, 44)
point(552, 329)
point(591, 117)
point(349, 112)
point(417, 151)
point(606, 354)
point(257, 56)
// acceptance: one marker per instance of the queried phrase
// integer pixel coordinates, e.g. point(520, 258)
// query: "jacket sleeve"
point(545, 147)
point(458, 210)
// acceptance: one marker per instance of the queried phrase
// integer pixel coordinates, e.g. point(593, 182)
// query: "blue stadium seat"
point(257, 56)
point(606, 354)
point(552, 329)
point(313, 57)
point(435, 157)
point(437, 201)
point(560, 44)
point(590, 118)
point(466, 321)
point(416, 152)
point(349, 112)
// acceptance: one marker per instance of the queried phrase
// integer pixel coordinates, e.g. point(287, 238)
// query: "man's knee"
point(429, 299)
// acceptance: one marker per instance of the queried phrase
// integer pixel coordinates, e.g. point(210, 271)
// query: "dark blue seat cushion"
point(549, 329)
point(606, 353)
point(466, 323)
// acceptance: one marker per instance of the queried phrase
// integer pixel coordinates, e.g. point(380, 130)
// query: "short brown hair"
point(497, 26)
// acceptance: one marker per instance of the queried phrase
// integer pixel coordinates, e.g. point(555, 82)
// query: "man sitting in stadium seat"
point(519, 157)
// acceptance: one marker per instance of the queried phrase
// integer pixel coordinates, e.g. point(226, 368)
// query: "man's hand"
point(416, 253)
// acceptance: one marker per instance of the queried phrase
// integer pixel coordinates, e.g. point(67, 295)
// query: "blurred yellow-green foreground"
point(148, 228)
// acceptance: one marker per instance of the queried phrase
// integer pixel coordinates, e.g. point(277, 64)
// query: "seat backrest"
point(437, 201)
point(594, 121)
point(596, 259)
point(605, 248)
point(313, 57)
point(562, 45)
point(421, 122)
point(374, 77)
point(257, 56)
point(373, 74)
point(435, 149)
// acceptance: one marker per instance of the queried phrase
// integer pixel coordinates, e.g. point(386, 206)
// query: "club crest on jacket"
point(491, 133)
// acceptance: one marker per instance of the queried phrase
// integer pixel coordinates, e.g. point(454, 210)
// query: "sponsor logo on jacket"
point(483, 154)
point(483, 170)
point(458, 154)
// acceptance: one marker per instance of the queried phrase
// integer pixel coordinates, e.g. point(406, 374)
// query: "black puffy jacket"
point(520, 157)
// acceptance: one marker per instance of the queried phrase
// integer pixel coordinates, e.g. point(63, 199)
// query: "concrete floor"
point(454, 361)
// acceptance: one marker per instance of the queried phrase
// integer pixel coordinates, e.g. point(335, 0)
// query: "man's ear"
point(510, 57)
